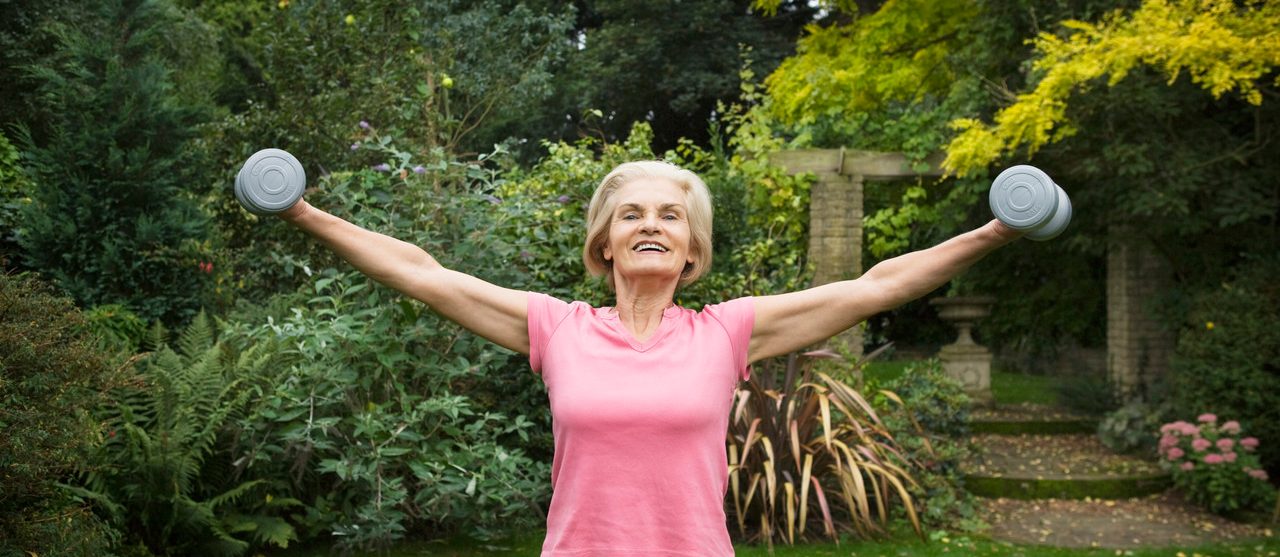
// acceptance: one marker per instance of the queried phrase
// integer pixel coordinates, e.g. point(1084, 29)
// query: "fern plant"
point(158, 475)
point(812, 452)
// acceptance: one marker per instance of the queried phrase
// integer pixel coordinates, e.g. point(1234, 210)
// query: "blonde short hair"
point(603, 203)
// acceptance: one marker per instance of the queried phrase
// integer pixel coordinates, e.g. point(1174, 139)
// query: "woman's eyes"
point(633, 216)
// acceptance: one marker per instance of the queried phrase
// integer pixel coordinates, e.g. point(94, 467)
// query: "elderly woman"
point(640, 392)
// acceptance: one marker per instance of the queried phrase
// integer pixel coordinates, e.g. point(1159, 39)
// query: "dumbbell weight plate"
point(271, 181)
point(1023, 197)
point(1058, 223)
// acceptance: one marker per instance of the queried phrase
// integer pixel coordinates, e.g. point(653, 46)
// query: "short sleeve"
point(738, 317)
point(545, 315)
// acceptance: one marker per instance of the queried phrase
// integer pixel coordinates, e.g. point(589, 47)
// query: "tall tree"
point(113, 218)
point(666, 63)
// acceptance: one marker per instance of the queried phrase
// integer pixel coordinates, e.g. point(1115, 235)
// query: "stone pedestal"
point(965, 360)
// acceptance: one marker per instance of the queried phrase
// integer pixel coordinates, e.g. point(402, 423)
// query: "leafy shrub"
point(811, 452)
point(393, 418)
point(1228, 354)
point(121, 330)
point(929, 412)
point(1215, 464)
point(1089, 394)
point(1131, 428)
point(160, 475)
point(49, 382)
point(14, 194)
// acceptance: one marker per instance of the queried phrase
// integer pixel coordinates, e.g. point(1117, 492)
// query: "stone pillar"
point(1138, 344)
point(835, 238)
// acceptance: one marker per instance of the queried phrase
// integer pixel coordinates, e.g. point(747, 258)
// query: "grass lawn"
point(1007, 388)
point(904, 546)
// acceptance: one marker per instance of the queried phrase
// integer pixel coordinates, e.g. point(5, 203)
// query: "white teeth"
point(646, 246)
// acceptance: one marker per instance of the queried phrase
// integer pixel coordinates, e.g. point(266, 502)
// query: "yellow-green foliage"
point(1222, 46)
point(898, 53)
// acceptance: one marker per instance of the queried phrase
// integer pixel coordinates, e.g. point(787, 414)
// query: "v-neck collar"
point(609, 314)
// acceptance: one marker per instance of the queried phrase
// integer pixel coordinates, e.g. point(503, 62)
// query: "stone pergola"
point(1138, 348)
point(835, 208)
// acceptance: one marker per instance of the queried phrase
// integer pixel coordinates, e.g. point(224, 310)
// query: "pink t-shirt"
point(640, 467)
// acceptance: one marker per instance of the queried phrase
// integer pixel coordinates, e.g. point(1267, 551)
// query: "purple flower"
point(419, 170)
point(355, 146)
point(492, 199)
point(384, 167)
point(364, 125)
point(563, 199)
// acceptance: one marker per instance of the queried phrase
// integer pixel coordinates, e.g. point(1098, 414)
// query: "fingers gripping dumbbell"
point(1024, 198)
point(270, 182)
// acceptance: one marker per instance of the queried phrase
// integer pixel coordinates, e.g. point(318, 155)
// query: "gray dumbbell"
point(1024, 198)
point(270, 182)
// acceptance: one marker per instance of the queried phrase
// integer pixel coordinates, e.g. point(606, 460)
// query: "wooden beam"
point(870, 165)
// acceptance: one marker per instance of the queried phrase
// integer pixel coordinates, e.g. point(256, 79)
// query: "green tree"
point(113, 217)
point(664, 63)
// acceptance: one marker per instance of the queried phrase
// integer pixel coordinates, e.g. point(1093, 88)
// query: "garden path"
point(1046, 480)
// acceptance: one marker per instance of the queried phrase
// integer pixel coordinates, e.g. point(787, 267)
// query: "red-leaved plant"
point(812, 453)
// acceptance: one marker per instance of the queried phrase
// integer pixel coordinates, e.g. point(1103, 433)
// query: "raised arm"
point(495, 313)
point(788, 322)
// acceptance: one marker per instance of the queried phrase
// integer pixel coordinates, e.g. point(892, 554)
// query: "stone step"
point(1024, 419)
point(1065, 466)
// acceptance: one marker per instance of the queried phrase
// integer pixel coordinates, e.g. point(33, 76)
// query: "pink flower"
point(1190, 429)
point(1207, 418)
point(1229, 457)
point(1168, 441)
point(1200, 445)
point(1249, 443)
point(1225, 444)
point(1259, 474)
point(1187, 466)
point(1213, 459)
point(1232, 427)
point(1176, 453)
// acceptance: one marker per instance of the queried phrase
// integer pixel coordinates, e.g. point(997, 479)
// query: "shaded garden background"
point(181, 376)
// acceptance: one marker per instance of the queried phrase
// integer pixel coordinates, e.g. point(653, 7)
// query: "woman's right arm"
point(493, 312)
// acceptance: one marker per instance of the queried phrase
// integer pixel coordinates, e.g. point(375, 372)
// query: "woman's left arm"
point(789, 322)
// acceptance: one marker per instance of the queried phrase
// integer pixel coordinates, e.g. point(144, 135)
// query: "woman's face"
point(649, 230)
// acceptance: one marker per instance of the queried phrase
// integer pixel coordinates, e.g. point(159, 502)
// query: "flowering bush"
point(1214, 464)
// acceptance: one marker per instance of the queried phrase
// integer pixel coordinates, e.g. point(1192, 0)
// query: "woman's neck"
point(640, 310)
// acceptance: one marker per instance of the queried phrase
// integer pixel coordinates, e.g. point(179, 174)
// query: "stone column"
point(1138, 344)
point(835, 238)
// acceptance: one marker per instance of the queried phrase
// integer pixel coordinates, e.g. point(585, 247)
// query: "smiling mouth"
point(649, 247)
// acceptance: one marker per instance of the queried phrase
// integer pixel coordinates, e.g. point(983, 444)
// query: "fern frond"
point(155, 337)
point(197, 338)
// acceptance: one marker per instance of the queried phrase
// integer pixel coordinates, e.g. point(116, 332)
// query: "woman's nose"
point(650, 224)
